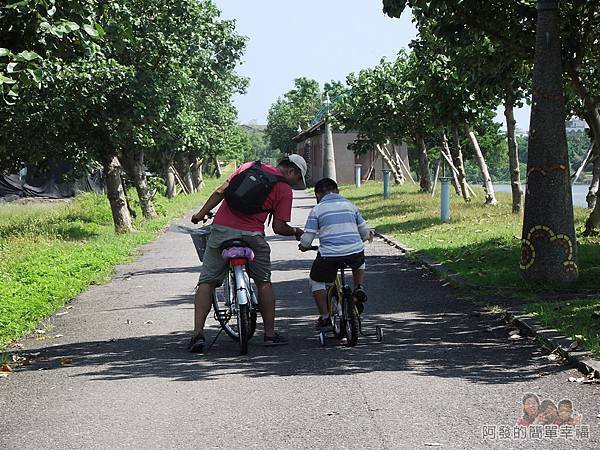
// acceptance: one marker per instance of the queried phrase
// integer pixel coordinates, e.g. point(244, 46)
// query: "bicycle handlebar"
point(208, 216)
point(311, 248)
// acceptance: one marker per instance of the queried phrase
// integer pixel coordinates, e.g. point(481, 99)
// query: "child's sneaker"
point(360, 293)
point(324, 324)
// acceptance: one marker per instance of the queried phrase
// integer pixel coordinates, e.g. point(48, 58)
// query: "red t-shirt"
point(279, 201)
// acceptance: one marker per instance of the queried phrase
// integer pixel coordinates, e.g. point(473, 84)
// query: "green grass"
point(49, 253)
point(482, 243)
point(579, 319)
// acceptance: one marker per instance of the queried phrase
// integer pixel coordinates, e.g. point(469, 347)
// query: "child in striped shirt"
point(341, 231)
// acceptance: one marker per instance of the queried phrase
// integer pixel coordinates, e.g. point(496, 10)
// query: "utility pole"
point(329, 156)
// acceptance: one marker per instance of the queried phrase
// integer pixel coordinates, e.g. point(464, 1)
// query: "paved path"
point(440, 375)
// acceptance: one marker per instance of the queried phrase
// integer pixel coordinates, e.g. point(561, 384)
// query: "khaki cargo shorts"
point(214, 267)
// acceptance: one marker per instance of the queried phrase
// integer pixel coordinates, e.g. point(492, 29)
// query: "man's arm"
point(214, 199)
point(283, 229)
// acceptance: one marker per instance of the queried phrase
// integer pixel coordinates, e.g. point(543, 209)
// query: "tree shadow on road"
point(428, 332)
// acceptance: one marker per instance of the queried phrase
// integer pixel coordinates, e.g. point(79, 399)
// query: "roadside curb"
point(551, 339)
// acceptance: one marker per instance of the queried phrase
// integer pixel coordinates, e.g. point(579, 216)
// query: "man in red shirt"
point(231, 224)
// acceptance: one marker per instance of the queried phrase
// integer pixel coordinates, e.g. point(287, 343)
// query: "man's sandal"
point(196, 344)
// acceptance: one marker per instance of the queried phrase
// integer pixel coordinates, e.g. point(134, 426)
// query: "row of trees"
point(130, 84)
point(530, 48)
point(470, 57)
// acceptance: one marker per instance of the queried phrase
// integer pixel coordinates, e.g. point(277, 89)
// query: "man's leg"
point(202, 305)
point(266, 304)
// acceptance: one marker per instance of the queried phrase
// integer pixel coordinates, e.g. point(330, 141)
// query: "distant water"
point(579, 193)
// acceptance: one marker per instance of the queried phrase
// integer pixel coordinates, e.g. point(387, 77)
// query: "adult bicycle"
point(235, 302)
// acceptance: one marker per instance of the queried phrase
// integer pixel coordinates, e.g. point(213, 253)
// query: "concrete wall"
point(312, 150)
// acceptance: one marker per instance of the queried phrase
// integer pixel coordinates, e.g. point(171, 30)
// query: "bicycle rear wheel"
point(351, 326)
point(335, 311)
point(243, 321)
point(223, 299)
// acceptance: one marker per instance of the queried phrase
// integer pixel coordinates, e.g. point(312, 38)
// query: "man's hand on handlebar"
point(298, 232)
point(307, 249)
point(200, 216)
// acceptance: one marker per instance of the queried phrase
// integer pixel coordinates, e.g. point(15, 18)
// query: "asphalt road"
point(112, 371)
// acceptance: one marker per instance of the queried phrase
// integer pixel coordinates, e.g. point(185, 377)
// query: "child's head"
point(531, 405)
point(548, 412)
point(565, 409)
point(325, 186)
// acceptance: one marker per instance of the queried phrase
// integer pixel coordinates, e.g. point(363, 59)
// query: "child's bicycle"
point(345, 312)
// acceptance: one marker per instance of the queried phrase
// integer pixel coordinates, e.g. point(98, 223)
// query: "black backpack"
point(248, 190)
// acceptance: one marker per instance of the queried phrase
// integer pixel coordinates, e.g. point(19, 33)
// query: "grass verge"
point(482, 243)
point(49, 253)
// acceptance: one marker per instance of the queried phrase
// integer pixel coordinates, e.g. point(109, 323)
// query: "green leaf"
point(51, 11)
point(100, 30)
point(4, 52)
point(36, 74)
point(89, 29)
point(11, 67)
point(17, 4)
point(71, 26)
point(6, 80)
point(28, 56)
point(45, 26)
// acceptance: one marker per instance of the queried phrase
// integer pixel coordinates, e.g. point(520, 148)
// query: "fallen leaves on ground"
point(66, 361)
point(584, 380)
point(5, 370)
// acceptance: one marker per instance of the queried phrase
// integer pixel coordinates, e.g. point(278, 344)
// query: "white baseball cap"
point(301, 164)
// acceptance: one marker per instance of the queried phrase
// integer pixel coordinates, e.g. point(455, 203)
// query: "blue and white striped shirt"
point(339, 225)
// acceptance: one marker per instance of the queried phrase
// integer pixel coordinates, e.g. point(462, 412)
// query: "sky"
point(320, 39)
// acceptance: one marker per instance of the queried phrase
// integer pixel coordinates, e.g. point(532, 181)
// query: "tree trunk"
point(386, 157)
point(397, 171)
point(446, 151)
point(218, 172)
point(183, 167)
point(457, 157)
point(167, 165)
point(115, 194)
point(513, 155)
point(490, 197)
point(549, 248)
point(196, 170)
point(592, 195)
point(134, 166)
point(592, 117)
point(424, 173)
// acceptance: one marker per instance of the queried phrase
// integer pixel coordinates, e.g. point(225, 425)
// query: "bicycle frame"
point(242, 294)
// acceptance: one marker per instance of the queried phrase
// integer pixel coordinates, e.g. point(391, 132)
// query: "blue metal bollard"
point(386, 183)
point(357, 174)
point(445, 199)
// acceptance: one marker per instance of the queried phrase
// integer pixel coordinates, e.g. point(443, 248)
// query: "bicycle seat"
point(236, 249)
point(233, 243)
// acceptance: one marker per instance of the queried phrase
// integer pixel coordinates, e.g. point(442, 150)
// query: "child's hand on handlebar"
point(307, 249)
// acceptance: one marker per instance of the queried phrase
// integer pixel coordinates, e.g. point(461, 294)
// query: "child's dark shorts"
point(324, 269)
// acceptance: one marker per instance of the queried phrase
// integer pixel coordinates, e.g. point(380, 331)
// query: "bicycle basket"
point(200, 238)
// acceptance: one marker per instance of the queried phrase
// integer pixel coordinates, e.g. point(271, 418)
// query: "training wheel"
point(322, 339)
point(379, 333)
